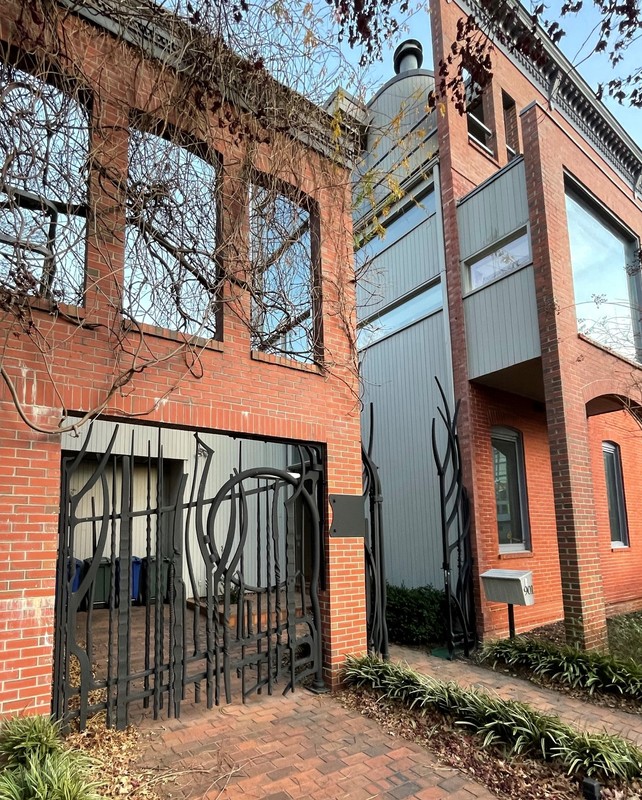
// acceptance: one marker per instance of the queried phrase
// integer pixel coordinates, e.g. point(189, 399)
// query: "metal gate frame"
point(256, 628)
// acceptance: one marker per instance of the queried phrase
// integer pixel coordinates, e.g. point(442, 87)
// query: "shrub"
point(625, 636)
point(568, 666)
point(415, 616)
point(37, 766)
point(517, 727)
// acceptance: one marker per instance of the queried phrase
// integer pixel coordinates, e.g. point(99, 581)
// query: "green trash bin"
point(148, 582)
point(101, 585)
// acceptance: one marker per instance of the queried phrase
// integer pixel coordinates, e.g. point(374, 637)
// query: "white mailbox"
point(512, 586)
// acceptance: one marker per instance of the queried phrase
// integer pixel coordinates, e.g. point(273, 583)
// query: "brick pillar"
point(582, 589)
point(29, 505)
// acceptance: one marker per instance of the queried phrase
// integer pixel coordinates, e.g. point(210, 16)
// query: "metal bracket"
point(348, 515)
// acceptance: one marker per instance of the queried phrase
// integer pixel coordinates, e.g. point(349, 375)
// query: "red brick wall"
point(239, 391)
point(620, 565)
point(574, 369)
point(492, 408)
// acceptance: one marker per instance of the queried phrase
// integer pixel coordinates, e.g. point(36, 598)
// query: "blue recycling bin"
point(74, 573)
point(136, 569)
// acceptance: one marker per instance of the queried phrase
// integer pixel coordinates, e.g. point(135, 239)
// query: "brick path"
point(570, 709)
point(299, 747)
point(307, 747)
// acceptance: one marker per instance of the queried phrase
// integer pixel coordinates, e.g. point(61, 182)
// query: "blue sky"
point(578, 43)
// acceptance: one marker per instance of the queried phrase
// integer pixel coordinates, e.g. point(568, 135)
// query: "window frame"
point(301, 200)
point(475, 258)
point(47, 74)
point(514, 436)
point(145, 124)
point(631, 241)
point(425, 288)
point(616, 504)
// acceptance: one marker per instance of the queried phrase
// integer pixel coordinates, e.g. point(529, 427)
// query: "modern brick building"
point(136, 203)
point(509, 268)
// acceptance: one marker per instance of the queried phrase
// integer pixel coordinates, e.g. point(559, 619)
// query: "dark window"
point(478, 130)
point(44, 151)
point(171, 275)
point(510, 489)
point(615, 494)
point(510, 126)
point(606, 282)
point(285, 285)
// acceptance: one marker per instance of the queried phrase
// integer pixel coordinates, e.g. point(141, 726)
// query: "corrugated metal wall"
point(398, 377)
point(408, 263)
point(501, 324)
point(493, 210)
point(179, 450)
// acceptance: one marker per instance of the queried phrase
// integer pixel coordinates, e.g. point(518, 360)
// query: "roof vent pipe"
point(409, 55)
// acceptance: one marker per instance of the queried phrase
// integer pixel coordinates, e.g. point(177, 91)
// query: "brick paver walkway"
point(570, 709)
point(307, 747)
point(298, 747)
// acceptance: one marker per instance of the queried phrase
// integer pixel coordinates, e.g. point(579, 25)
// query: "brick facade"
point(236, 390)
point(575, 572)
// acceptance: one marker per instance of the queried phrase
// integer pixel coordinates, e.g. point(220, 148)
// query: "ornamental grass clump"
point(567, 666)
point(516, 727)
point(36, 765)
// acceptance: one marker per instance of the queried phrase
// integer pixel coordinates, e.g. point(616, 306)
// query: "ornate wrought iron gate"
point(455, 533)
point(190, 589)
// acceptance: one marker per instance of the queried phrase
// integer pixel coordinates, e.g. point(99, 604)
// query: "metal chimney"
point(409, 55)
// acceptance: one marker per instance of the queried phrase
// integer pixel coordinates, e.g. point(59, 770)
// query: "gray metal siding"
point(178, 445)
point(398, 377)
point(501, 324)
point(493, 211)
point(405, 265)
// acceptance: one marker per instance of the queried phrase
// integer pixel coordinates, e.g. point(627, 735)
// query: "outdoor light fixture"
point(591, 789)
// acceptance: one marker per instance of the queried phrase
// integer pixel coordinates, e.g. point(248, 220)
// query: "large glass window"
point(402, 315)
point(44, 151)
point(510, 489)
point(284, 276)
point(506, 256)
point(171, 271)
point(605, 280)
point(615, 494)
point(415, 212)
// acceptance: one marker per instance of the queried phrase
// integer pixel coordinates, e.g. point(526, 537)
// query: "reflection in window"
point(283, 276)
point(44, 151)
point(510, 489)
point(401, 316)
point(615, 494)
point(601, 257)
point(509, 255)
point(412, 215)
point(171, 272)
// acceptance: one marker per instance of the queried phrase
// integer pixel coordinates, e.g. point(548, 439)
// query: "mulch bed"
point(505, 776)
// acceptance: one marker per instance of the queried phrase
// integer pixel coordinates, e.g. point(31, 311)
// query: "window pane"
point(509, 490)
point(414, 213)
point(615, 493)
point(43, 191)
point(171, 273)
point(283, 319)
point(507, 257)
point(414, 309)
point(602, 286)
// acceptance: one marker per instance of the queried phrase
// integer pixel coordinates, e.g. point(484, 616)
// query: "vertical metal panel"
point(493, 210)
point(398, 377)
point(408, 263)
point(501, 324)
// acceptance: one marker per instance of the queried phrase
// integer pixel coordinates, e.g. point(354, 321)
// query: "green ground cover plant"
point(625, 636)
point(415, 616)
point(36, 765)
point(516, 727)
point(579, 669)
